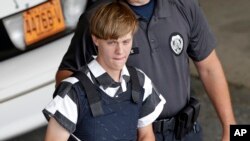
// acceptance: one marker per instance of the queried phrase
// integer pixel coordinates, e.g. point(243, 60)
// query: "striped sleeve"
point(153, 102)
point(63, 106)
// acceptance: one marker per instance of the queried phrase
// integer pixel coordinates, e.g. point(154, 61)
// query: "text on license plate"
point(43, 21)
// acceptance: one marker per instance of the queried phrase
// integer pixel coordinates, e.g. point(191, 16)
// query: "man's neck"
point(115, 75)
point(138, 2)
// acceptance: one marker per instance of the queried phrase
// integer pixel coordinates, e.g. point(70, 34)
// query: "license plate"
point(9, 7)
point(43, 21)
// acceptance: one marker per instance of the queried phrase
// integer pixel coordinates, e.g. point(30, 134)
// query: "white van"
point(34, 35)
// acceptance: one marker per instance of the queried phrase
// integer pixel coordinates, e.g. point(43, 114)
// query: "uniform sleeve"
point(153, 102)
point(63, 107)
point(202, 40)
point(81, 47)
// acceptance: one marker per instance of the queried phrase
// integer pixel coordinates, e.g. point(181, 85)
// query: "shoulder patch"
point(176, 43)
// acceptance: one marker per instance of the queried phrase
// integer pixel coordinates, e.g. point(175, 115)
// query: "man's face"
point(113, 54)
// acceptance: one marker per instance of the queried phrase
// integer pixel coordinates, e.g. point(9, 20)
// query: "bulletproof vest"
point(108, 118)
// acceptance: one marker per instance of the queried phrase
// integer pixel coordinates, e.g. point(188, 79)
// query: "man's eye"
point(126, 42)
point(111, 42)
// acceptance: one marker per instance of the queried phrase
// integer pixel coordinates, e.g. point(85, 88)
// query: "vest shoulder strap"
point(62, 89)
point(93, 96)
point(136, 88)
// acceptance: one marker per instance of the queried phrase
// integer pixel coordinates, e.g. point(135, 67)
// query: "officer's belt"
point(164, 125)
point(182, 123)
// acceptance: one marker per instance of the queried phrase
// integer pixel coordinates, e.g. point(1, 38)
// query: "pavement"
point(230, 22)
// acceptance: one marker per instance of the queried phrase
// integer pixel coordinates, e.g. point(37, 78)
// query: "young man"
point(106, 100)
point(170, 32)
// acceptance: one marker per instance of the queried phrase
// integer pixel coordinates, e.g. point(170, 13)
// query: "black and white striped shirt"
point(64, 107)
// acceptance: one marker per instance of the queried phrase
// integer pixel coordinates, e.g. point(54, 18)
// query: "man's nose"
point(119, 48)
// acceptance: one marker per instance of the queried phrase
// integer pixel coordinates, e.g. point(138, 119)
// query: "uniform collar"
point(162, 9)
point(103, 78)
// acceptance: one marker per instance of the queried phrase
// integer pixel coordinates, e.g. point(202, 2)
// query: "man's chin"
point(118, 66)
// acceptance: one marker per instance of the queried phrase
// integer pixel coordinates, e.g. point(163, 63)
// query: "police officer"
point(105, 100)
point(170, 32)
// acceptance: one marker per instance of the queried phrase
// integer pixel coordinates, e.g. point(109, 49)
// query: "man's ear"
point(95, 39)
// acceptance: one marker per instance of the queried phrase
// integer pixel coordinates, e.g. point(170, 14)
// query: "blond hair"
point(113, 20)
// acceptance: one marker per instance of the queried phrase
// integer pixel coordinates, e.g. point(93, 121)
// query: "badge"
point(134, 50)
point(176, 43)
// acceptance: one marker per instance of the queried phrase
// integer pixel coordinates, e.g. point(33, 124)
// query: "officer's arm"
point(55, 132)
point(213, 78)
point(62, 74)
point(80, 50)
point(146, 133)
